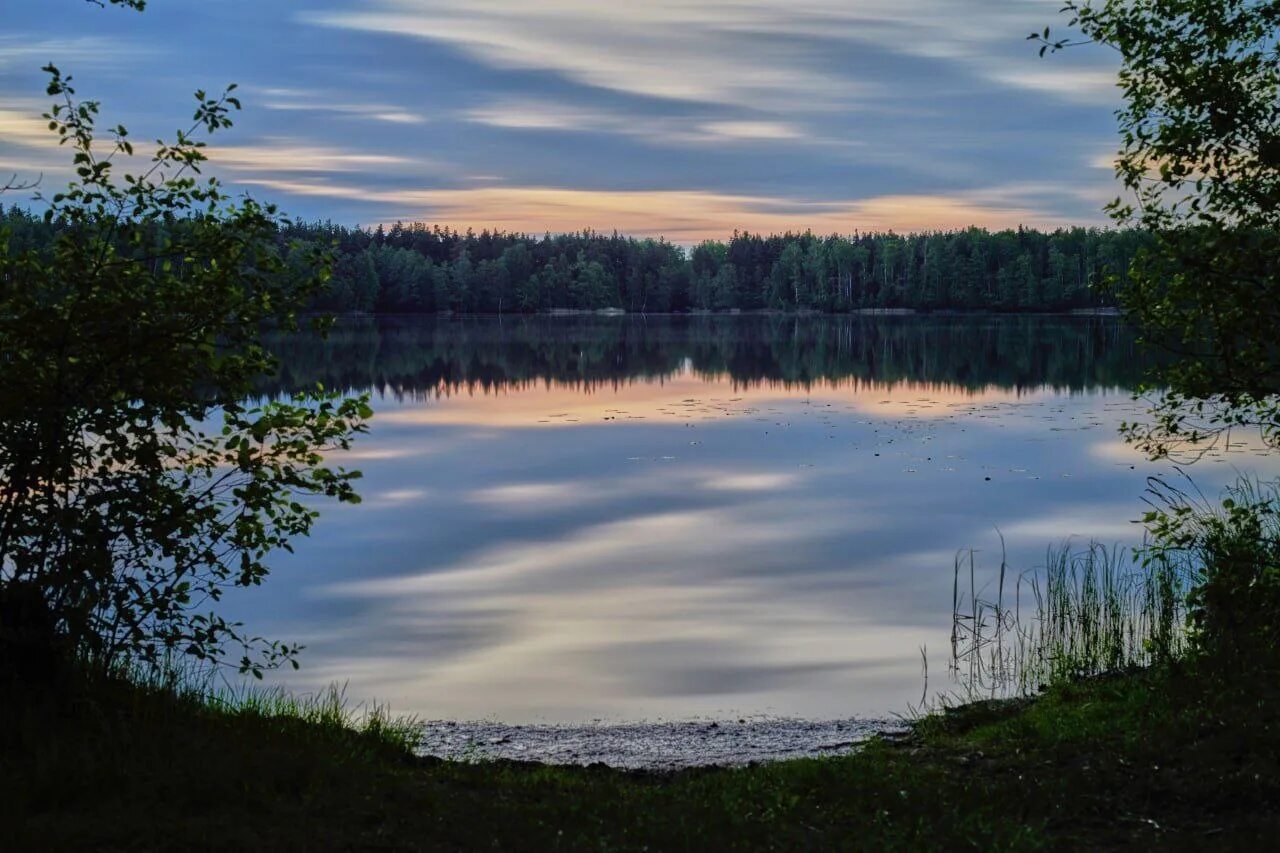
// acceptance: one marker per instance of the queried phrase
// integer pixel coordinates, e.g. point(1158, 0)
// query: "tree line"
point(413, 268)
point(416, 267)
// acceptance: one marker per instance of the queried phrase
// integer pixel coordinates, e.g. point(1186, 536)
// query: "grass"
point(327, 711)
point(201, 689)
point(1086, 612)
point(1163, 757)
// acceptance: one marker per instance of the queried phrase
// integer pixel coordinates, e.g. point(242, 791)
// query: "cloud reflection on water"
point(690, 546)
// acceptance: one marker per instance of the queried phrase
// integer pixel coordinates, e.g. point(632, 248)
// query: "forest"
point(419, 268)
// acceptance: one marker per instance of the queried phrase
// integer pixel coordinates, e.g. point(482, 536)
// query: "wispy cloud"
point(1079, 85)
point(830, 114)
point(720, 51)
point(681, 215)
point(773, 130)
point(670, 130)
point(24, 127)
point(84, 52)
point(280, 155)
point(688, 50)
point(301, 100)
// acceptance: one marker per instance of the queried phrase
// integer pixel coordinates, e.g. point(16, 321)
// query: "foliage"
point(137, 484)
point(1234, 547)
point(1200, 159)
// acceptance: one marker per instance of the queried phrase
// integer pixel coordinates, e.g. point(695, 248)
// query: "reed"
point(1087, 611)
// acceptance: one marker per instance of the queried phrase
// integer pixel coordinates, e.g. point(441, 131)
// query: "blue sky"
point(683, 118)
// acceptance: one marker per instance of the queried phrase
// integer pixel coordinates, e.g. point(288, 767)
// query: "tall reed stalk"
point(1087, 611)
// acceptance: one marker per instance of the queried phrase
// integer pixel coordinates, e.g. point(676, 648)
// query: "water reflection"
point(574, 519)
point(424, 357)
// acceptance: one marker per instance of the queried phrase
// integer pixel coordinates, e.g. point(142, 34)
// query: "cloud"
point(285, 156)
point(912, 101)
point(661, 130)
point(761, 113)
point(543, 115)
point(539, 496)
point(1081, 85)
point(1092, 192)
point(763, 52)
point(724, 130)
point(681, 215)
point(25, 128)
point(676, 50)
point(29, 151)
point(625, 612)
point(85, 52)
point(396, 497)
point(299, 100)
point(751, 482)
point(1093, 522)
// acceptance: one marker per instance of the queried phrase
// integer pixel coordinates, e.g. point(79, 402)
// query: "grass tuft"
point(328, 709)
point(1086, 612)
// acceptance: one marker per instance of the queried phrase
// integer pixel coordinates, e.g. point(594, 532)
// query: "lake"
point(623, 518)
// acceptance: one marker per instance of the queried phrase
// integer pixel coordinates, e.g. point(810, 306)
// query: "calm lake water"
point(569, 519)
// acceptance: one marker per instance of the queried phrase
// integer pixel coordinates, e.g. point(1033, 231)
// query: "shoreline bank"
point(1168, 758)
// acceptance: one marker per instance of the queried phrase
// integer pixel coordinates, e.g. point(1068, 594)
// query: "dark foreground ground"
point(1163, 759)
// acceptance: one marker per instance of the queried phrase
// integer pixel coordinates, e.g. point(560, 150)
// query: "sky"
point(686, 119)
